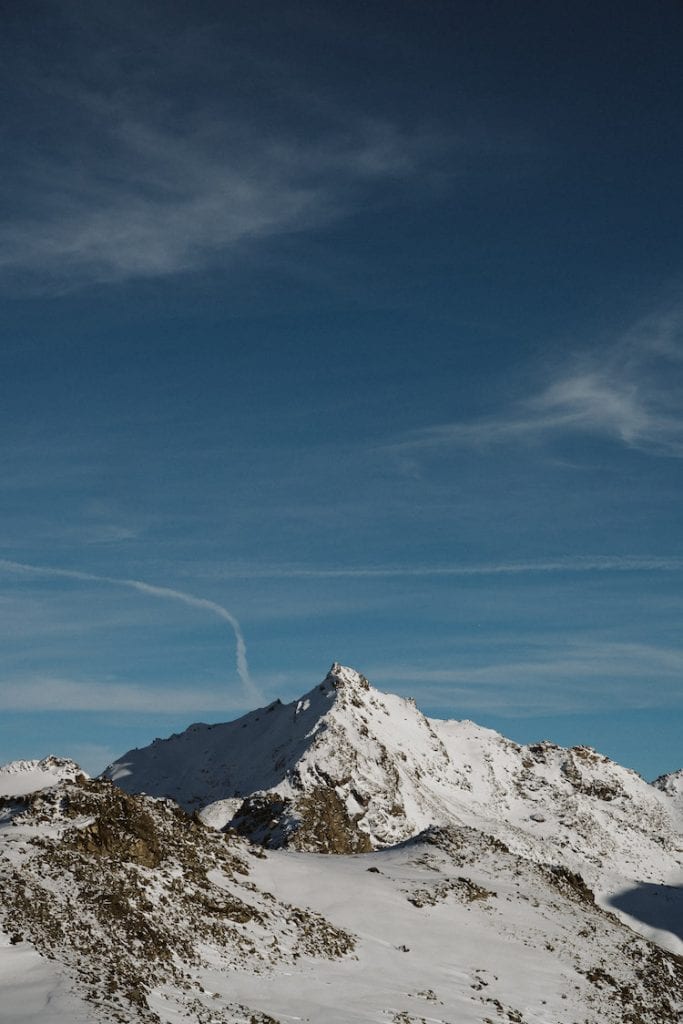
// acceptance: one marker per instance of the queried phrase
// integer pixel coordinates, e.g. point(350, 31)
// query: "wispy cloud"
point(154, 198)
point(574, 564)
point(53, 693)
point(568, 678)
point(630, 392)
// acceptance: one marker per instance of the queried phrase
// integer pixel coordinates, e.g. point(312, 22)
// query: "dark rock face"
point(327, 827)
point(122, 827)
point(263, 818)
point(319, 822)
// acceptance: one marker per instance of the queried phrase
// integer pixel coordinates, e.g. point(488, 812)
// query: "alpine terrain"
point(341, 858)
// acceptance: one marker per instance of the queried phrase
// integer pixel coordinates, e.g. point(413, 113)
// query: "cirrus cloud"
point(631, 392)
point(136, 191)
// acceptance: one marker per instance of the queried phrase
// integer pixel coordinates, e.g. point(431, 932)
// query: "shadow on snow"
point(658, 906)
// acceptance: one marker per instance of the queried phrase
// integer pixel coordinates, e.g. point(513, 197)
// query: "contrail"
point(250, 688)
point(251, 691)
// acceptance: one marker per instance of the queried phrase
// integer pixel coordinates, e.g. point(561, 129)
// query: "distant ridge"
point(19, 778)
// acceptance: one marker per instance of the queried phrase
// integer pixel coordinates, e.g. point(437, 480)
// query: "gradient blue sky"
point(364, 322)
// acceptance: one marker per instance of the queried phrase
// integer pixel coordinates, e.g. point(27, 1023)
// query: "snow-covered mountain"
point(21, 777)
point(476, 881)
point(349, 769)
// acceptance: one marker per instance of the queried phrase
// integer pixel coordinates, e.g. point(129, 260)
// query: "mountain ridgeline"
point(347, 768)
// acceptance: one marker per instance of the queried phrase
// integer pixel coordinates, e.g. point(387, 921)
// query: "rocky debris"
point(656, 994)
point(571, 883)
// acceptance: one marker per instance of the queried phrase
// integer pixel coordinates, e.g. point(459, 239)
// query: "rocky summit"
point(336, 859)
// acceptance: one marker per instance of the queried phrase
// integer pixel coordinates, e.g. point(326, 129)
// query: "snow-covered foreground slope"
point(35, 990)
point(119, 908)
point(453, 928)
point(347, 768)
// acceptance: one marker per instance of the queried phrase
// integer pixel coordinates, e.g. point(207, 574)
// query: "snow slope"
point(454, 929)
point(35, 990)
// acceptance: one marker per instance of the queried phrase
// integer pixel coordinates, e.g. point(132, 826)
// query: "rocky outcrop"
point(131, 894)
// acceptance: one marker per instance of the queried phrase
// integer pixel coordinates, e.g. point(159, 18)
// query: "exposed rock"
point(326, 826)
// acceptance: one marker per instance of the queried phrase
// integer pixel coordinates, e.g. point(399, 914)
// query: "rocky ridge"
point(133, 897)
point(672, 785)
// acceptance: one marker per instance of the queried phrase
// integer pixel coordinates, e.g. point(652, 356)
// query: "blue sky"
point(362, 325)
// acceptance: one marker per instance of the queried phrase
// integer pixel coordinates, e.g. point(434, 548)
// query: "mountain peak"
point(115, 907)
point(342, 677)
point(495, 847)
